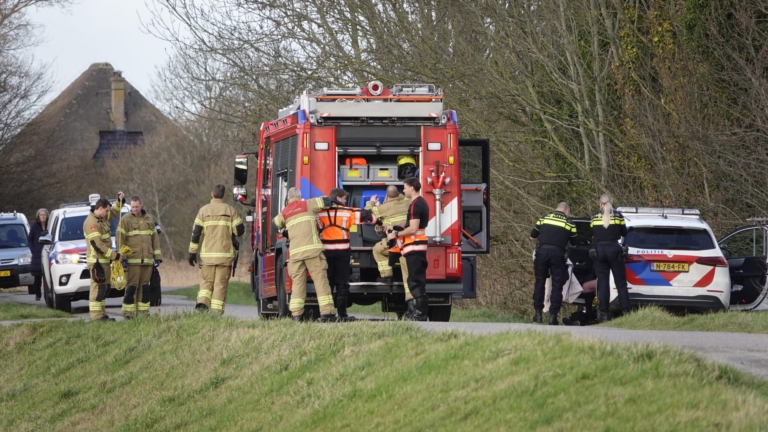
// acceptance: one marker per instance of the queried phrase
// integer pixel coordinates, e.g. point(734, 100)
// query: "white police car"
point(673, 261)
point(15, 257)
point(65, 275)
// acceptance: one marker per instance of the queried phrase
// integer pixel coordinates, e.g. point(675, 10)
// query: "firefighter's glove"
point(379, 222)
point(97, 273)
point(192, 259)
point(391, 243)
point(118, 257)
point(593, 254)
point(624, 251)
point(158, 262)
point(285, 234)
point(397, 228)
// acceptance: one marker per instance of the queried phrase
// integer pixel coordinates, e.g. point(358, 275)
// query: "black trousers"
point(35, 288)
point(339, 271)
point(609, 260)
point(549, 261)
point(417, 274)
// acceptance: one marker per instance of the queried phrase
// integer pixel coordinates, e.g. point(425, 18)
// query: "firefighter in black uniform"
point(414, 249)
point(554, 231)
point(608, 227)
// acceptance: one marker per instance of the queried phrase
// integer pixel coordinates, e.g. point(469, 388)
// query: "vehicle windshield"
point(669, 238)
point(12, 236)
point(72, 227)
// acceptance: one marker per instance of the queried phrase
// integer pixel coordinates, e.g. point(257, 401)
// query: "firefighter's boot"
point(411, 304)
point(297, 318)
point(553, 319)
point(537, 316)
point(421, 309)
point(326, 318)
point(384, 279)
point(200, 307)
point(341, 309)
point(602, 317)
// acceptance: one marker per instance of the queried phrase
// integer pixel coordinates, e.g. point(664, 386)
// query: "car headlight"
point(25, 259)
point(67, 258)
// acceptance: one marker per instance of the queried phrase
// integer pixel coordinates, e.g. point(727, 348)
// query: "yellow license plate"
point(670, 267)
point(5, 273)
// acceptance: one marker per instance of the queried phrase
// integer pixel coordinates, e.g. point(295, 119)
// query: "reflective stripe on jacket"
point(334, 224)
point(212, 233)
point(97, 232)
point(138, 233)
point(300, 218)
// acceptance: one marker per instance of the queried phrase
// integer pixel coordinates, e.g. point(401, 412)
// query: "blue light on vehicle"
point(454, 117)
point(302, 116)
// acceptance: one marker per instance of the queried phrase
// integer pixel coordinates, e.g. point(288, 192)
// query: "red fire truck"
point(352, 138)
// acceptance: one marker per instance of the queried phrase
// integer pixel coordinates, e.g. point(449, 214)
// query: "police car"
point(673, 260)
point(65, 275)
point(15, 257)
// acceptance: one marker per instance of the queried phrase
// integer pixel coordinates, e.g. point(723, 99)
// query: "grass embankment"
point(15, 311)
point(200, 372)
point(655, 318)
point(240, 293)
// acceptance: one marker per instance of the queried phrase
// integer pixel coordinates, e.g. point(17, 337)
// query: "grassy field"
point(200, 372)
point(15, 311)
point(654, 318)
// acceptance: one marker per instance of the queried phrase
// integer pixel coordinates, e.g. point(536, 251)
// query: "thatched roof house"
point(57, 155)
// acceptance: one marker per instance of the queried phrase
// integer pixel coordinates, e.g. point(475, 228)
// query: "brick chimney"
point(118, 100)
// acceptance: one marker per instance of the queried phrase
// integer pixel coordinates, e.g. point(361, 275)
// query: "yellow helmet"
point(405, 159)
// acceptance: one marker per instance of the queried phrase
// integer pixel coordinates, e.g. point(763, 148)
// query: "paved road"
point(747, 352)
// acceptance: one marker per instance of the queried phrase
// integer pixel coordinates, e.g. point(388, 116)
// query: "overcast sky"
point(95, 31)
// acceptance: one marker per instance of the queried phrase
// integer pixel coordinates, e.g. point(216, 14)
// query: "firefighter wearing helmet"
point(213, 239)
point(306, 254)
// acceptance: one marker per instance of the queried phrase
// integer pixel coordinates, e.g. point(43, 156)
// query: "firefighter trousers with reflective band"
point(609, 260)
point(318, 268)
point(97, 298)
point(549, 261)
point(394, 257)
point(339, 269)
point(136, 299)
point(381, 256)
point(214, 281)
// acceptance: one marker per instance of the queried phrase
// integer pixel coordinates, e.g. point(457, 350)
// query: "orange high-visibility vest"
point(417, 242)
point(334, 224)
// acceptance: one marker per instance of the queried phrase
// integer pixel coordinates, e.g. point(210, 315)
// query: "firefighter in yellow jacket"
point(306, 253)
point(100, 254)
point(213, 234)
point(393, 212)
point(137, 231)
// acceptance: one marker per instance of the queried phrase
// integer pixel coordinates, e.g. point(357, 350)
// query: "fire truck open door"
point(474, 157)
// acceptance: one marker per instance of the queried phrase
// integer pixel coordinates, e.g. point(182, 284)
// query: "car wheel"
point(47, 293)
point(62, 303)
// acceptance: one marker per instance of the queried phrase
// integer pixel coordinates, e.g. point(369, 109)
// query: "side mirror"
point(241, 170)
point(45, 239)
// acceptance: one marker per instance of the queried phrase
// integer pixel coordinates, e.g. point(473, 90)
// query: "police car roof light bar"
point(659, 211)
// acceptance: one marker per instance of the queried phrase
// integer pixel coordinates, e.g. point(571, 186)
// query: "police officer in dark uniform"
point(554, 231)
point(608, 227)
